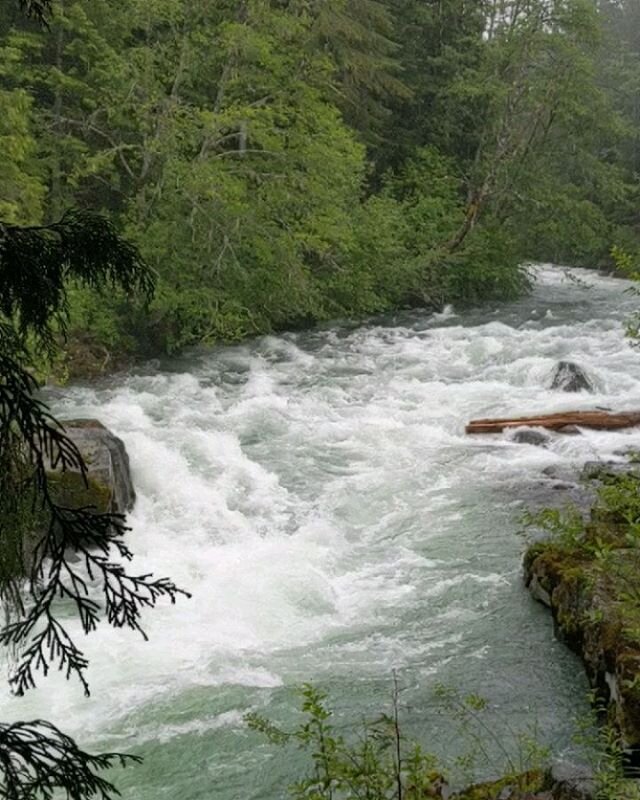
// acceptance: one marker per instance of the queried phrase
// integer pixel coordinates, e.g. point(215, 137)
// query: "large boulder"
point(531, 436)
point(110, 488)
point(570, 377)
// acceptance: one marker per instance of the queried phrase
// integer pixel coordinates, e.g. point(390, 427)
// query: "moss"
point(628, 681)
point(591, 573)
point(570, 603)
point(16, 527)
point(516, 785)
point(552, 565)
point(20, 516)
point(69, 489)
point(532, 554)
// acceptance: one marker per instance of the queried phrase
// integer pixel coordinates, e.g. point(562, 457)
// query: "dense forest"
point(286, 161)
point(189, 172)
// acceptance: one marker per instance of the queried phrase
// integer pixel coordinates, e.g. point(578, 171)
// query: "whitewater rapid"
point(317, 495)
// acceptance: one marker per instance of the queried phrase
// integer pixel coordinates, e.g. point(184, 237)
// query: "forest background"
point(282, 162)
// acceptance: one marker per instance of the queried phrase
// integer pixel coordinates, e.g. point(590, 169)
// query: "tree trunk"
point(601, 420)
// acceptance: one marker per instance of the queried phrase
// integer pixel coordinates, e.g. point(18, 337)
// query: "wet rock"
point(631, 452)
point(110, 488)
point(573, 783)
point(538, 592)
point(570, 430)
point(555, 784)
point(558, 473)
point(531, 436)
point(531, 785)
point(603, 470)
point(570, 377)
point(557, 485)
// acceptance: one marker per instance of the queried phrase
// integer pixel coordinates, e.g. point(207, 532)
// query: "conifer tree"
point(50, 553)
point(359, 38)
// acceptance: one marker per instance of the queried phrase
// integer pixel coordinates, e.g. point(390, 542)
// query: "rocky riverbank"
point(550, 784)
point(587, 572)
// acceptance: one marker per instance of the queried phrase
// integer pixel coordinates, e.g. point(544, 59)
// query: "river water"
point(317, 495)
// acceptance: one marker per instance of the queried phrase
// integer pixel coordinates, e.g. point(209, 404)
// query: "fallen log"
point(600, 420)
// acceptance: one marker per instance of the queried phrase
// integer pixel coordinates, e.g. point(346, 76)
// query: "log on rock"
point(600, 420)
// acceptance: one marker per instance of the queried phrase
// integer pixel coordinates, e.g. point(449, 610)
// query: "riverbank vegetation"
point(279, 163)
point(586, 571)
point(379, 760)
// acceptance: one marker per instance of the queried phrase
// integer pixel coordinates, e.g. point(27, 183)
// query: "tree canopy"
point(278, 163)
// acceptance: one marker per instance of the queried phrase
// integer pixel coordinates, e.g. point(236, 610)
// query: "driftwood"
point(601, 420)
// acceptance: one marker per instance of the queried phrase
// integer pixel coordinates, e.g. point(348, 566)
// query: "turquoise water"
point(317, 494)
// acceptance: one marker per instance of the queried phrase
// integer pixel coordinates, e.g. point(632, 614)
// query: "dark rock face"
point(109, 477)
point(570, 377)
point(530, 436)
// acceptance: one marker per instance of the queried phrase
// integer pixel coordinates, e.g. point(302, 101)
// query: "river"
point(316, 493)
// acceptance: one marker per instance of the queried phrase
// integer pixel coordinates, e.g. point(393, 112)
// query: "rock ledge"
point(110, 488)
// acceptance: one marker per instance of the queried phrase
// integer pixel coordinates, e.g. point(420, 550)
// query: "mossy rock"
point(628, 687)
point(532, 553)
point(19, 540)
point(551, 565)
point(108, 486)
point(591, 582)
point(512, 787)
point(71, 490)
point(23, 521)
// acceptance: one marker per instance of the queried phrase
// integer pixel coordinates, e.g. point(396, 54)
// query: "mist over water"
point(317, 495)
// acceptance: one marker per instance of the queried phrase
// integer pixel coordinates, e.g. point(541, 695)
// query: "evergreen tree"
point(359, 38)
point(251, 149)
point(49, 554)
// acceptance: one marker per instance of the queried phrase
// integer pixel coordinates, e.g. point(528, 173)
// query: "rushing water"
point(317, 494)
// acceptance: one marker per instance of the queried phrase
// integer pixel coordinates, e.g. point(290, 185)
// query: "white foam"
point(318, 486)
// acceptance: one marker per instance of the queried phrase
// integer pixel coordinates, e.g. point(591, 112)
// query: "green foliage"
point(377, 764)
point(36, 263)
point(21, 187)
point(485, 267)
point(283, 163)
point(565, 526)
point(378, 761)
point(520, 755)
point(359, 37)
point(604, 749)
point(627, 262)
point(615, 518)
